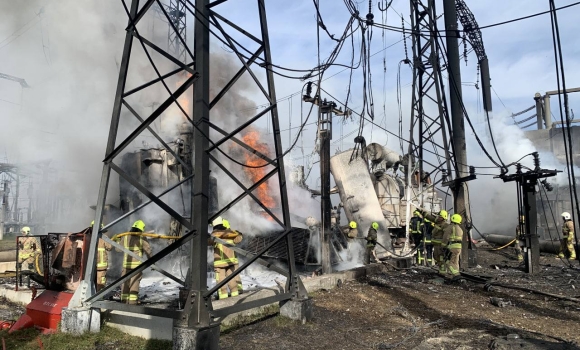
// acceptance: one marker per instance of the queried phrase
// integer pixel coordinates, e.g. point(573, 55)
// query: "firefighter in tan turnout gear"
point(28, 248)
point(451, 246)
point(139, 245)
point(439, 225)
point(224, 258)
point(102, 260)
point(567, 241)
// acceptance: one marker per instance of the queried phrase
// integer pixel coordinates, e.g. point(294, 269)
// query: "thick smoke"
point(494, 203)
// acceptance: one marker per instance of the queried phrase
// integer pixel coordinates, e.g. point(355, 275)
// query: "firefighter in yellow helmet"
point(139, 245)
point(451, 245)
point(439, 225)
point(567, 241)
point(352, 230)
point(28, 248)
point(371, 239)
point(416, 230)
point(225, 261)
point(102, 260)
point(520, 234)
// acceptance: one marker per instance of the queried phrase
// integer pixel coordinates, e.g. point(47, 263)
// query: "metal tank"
point(357, 191)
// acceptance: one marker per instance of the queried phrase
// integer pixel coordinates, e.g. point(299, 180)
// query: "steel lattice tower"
point(195, 325)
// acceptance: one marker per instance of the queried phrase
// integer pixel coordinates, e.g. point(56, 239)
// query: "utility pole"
point(326, 109)
point(460, 199)
point(526, 189)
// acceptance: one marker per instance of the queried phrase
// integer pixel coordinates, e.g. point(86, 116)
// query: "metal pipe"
point(539, 111)
point(547, 112)
point(551, 247)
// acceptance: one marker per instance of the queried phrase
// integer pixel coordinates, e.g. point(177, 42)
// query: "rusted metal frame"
point(134, 112)
point(244, 62)
point(246, 190)
point(168, 102)
point(156, 80)
point(140, 258)
point(240, 128)
point(246, 305)
point(148, 263)
point(233, 25)
point(243, 144)
point(143, 205)
point(164, 53)
point(246, 264)
point(151, 196)
point(235, 78)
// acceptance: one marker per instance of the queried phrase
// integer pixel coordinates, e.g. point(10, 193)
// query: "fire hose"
point(507, 245)
point(144, 234)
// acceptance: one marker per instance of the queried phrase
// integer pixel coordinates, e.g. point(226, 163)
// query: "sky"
point(69, 53)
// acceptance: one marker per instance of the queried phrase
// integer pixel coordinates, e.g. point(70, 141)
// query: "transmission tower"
point(177, 16)
point(196, 326)
point(429, 117)
point(432, 125)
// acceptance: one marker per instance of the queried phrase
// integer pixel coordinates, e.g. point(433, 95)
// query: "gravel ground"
point(413, 309)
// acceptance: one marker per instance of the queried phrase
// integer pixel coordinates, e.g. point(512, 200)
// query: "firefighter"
point(451, 245)
point(520, 233)
point(224, 258)
point(102, 260)
point(371, 239)
point(352, 230)
point(427, 244)
point(138, 245)
point(416, 227)
point(567, 241)
point(439, 225)
point(28, 248)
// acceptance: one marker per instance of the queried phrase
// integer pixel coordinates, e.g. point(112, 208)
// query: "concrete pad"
point(22, 296)
point(7, 266)
point(78, 321)
point(144, 326)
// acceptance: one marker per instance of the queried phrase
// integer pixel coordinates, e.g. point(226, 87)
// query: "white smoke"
point(493, 202)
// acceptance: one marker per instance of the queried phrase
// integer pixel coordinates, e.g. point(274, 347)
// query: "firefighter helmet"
point(444, 214)
point(93, 224)
point(566, 216)
point(416, 213)
point(217, 221)
point(456, 218)
point(375, 225)
point(139, 224)
point(226, 223)
point(25, 230)
point(352, 224)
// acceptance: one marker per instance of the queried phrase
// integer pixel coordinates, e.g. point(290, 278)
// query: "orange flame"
point(263, 192)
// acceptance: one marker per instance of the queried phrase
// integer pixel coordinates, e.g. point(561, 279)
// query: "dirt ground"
point(412, 309)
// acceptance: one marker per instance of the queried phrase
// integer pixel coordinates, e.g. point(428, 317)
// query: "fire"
point(263, 192)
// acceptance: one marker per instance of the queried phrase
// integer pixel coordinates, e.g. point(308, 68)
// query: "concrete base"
point(78, 321)
point(140, 325)
point(196, 338)
point(299, 310)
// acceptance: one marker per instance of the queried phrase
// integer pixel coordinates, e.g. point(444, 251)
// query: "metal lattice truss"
point(198, 308)
point(471, 28)
point(177, 13)
point(429, 114)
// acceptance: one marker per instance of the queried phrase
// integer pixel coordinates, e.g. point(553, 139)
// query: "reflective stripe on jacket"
point(452, 237)
point(137, 245)
point(102, 257)
point(223, 255)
